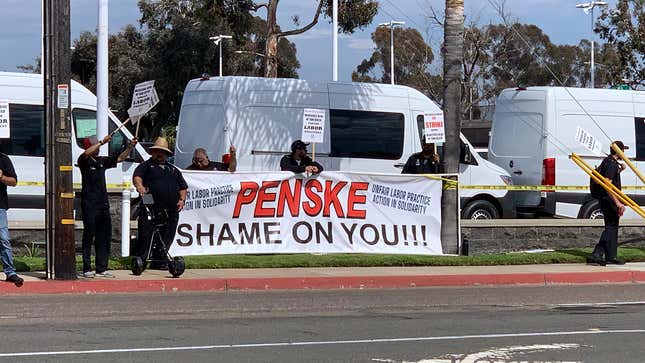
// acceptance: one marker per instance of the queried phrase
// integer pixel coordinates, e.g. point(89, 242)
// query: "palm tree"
point(452, 77)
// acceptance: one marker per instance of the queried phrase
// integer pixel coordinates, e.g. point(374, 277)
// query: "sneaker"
point(595, 261)
point(105, 274)
point(17, 280)
point(88, 274)
point(615, 262)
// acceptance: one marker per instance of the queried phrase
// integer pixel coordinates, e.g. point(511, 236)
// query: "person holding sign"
point(201, 161)
point(9, 178)
point(168, 188)
point(424, 162)
point(606, 251)
point(298, 161)
point(97, 225)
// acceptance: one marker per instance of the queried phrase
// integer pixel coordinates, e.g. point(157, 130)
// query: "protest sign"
point(144, 98)
point(333, 212)
point(313, 125)
point(5, 122)
point(434, 128)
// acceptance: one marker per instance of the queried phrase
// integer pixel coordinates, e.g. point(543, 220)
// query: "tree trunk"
point(271, 53)
point(271, 47)
point(452, 76)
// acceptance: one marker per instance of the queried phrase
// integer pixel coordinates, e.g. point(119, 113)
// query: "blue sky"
point(20, 27)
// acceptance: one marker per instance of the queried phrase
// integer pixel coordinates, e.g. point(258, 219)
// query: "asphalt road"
point(573, 324)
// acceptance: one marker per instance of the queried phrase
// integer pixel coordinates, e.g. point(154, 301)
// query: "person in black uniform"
point(424, 162)
point(612, 209)
point(298, 161)
point(201, 161)
point(97, 225)
point(9, 178)
point(168, 188)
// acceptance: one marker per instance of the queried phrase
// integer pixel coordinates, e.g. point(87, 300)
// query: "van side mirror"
point(465, 157)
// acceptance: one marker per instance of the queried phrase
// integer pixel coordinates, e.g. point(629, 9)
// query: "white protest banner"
point(587, 140)
point(5, 121)
point(433, 127)
point(313, 125)
point(144, 98)
point(333, 212)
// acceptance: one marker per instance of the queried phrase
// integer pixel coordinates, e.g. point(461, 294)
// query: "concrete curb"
point(170, 285)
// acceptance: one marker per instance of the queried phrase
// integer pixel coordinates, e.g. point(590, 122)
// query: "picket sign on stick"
point(144, 98)
point(120, 127)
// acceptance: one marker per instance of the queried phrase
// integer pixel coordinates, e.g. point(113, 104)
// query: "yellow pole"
point(610, 188)
point(629, 163)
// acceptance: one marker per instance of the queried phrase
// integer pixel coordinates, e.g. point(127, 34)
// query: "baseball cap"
point(621, 145)
point(89, 141)
point(298, 145)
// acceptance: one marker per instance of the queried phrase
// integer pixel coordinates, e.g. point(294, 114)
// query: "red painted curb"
point(318, 283)
point(588, 277)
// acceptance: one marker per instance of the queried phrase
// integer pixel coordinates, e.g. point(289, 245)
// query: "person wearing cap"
point(201, 161)
point(168, 188)
point(8, 178)
point(606, 251)
point(95, 208)
point(298, 161)
point(424, 162)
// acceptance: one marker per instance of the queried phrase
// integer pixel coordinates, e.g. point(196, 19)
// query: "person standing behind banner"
point(168, 188)
point(201, 161)
point(424, 162)
point(8, 177)
point(97, 225)
point(298, 161)
point(606, 251)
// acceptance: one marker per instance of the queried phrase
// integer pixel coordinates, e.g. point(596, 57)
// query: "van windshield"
point(85, 126)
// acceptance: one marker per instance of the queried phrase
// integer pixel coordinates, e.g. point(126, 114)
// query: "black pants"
point(608, 244)
point(146, 228)
point(97, 228)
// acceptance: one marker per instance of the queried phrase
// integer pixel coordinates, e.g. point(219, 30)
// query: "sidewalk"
point(334, 278)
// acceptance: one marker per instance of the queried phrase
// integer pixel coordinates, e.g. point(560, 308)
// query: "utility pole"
point(59, 192)
point(392, 24)
point(334, 41)
point(218, 40)
point(588, 8)
point(453, 56)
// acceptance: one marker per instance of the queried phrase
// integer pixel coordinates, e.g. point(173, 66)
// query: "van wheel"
point(591, 210)
point(480, 209)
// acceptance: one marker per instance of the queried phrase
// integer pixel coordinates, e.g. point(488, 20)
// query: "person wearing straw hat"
point(606, 251)
point(424, 162)
point(168, 188)
point(95, 208)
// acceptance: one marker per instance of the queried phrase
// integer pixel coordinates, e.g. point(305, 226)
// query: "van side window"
point(85, 126)
point(27, 131)
point(366, 134)
point(639, 129)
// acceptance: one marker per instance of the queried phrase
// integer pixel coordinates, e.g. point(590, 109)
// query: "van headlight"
point(506, 179)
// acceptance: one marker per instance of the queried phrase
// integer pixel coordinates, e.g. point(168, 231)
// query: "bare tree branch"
point(256, 7)
point(313, 22)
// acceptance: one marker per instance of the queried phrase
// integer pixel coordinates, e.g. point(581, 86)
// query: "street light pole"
point(218, 41)
point(392, 24)
point(588, 9)
point(335, 40)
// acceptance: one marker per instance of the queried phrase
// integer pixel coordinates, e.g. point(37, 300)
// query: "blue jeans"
point(6, 252)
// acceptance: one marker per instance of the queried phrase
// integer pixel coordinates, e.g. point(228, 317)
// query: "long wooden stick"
point(120, 127)
point(629, 163)
point(136, 134)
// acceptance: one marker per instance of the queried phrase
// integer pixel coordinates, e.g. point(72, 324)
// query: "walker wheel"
point(176, 266)
point(138, 266)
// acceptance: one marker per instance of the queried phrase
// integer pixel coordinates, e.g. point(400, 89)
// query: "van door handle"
point(517, 172)
point(400, 166)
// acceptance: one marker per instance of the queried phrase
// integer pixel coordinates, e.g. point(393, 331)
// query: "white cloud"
point(360, 44)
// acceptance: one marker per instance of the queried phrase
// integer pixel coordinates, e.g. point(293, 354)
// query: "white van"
point(26, 147)
point(534, 132)
point(368, 127)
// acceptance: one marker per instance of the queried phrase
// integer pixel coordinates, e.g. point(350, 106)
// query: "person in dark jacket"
point(298, 161)
point(606, 251)
point(8, 178)
point(424, 162)
point(202, 162)
point(97, 225)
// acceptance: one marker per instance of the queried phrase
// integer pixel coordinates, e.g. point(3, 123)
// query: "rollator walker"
point(159, 220)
